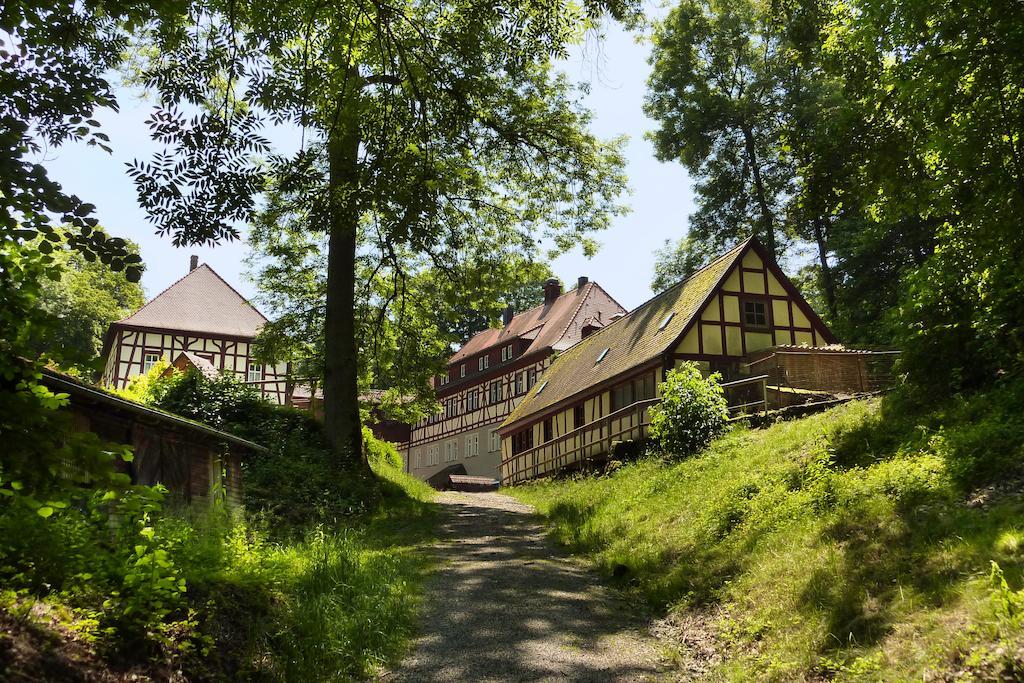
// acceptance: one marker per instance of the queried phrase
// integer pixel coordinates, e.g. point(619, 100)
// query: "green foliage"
point(297, 482)
point(691, 413)
point(675, 262)
point(713, 89)
point(88, 297)
point(897, 159)
point(381, 452)
point(217, 596)
point(141, 388)
point(839, 545)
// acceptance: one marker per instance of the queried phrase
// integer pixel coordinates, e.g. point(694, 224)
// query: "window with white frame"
point(531, 378)
point(462, 370)
point(483, 362)
point(417, 457)
point(520, 382)
point(255, 372)
point(433, 455)
point(494, 391)
point(149, 359)
point(472, 400)
point(506, 353)
point(451, 452)
point(472, 445)
point(495, 442)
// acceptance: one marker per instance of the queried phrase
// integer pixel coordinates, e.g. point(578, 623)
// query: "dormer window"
point(462, 370)
point(506, 353)
point(600, 356)
point(483, 362)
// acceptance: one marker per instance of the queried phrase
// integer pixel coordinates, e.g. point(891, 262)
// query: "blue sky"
point(616, 68)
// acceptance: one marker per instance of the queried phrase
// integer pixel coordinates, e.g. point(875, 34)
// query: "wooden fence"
point(836, 371)
point(746, 396)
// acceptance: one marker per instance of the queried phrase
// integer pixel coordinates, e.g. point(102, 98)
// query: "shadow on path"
point(505, 605)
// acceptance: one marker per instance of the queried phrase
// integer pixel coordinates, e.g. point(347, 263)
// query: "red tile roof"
point(201, 302)
point(555, 326)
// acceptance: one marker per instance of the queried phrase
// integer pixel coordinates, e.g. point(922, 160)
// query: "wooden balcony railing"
point(745, 394)
point(589, 442)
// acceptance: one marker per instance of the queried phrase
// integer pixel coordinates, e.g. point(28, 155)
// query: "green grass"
point(840, 545)
point(329, 603)
point(335, 605)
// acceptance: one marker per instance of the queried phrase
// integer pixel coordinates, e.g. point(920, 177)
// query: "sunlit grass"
point(838, 545)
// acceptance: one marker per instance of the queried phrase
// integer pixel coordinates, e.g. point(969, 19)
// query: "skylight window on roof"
point(541, 388)
point(666, 321)
point(600, 356)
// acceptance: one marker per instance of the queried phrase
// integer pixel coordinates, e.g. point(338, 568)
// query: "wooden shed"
point(194, 461)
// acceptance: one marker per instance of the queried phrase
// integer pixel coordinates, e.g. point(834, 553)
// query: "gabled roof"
point(553, 326)
point(634, 340)
point(200, 302)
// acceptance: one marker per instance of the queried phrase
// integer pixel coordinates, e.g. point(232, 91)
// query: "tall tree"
point(947, 82)
point(714, 89)
point(430, 128)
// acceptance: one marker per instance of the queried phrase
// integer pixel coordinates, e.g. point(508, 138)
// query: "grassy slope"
point(334, 604)
point(838, 545)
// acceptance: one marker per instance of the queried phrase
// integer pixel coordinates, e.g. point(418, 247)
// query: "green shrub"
point(692, 411)
point(297, 482)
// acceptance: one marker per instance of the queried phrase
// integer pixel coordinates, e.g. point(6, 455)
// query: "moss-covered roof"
point(632, 341)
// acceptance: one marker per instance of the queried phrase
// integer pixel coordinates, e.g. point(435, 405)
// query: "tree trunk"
point(827, 283)
point(767, 223)
point(341, 390)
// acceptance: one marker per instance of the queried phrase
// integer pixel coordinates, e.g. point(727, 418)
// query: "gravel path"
point(505, 605)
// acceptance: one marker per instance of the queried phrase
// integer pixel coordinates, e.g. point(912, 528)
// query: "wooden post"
point(764, 395)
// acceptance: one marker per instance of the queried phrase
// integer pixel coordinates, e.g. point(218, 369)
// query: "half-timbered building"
point(489, 375)
point(202, 316)
point(598, 392)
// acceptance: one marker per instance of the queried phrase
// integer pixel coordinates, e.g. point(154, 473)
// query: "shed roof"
point(637, 338)
point(58, 381)
point(201, 302)
point(552, 325)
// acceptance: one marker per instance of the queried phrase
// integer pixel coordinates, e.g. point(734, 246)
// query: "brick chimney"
point(507, 315)
point(193, 263)
point(552, 290)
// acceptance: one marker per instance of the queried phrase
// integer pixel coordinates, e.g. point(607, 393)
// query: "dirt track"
point(506, 605)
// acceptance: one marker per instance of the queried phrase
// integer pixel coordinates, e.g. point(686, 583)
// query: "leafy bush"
point(692, 411)
point(141, 387)
point(298, 482)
